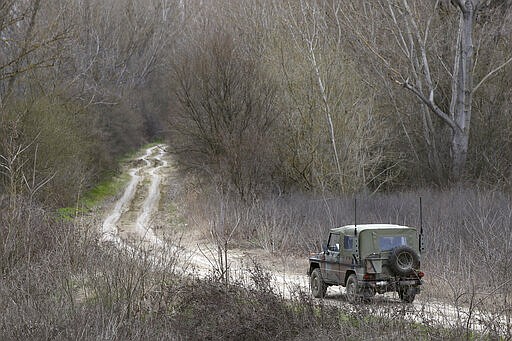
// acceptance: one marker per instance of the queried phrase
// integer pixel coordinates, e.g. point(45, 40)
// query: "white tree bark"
point(464, 88)
point(459, 116)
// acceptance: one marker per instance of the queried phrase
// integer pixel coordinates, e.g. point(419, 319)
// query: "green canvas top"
point(369, 236)
point(349, 229)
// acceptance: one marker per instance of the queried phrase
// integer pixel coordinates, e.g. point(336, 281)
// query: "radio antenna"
point(355, 216)
point(420, 238)
point(421, 218)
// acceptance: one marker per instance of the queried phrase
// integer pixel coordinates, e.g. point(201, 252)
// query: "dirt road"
point(136, 222)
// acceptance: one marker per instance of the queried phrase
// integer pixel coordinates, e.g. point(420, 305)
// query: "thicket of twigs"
point(75, 288)
point(466, 232)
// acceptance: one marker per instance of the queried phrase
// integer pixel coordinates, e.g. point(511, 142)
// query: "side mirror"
point(324, 247)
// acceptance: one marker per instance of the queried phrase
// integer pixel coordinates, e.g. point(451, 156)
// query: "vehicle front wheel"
point(407, 295)
point(352, 289)
point(318, 287)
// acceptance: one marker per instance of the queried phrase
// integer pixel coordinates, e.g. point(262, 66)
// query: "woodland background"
point(277, 114)
point(257, 97)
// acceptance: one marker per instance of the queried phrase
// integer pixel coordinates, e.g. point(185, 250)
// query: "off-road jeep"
point(369, 259)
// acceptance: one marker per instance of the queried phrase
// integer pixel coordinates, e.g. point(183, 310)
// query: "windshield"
point(389, 242)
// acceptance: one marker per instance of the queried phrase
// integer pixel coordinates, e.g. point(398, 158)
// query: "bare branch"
point(431, 105)
point(490, 74)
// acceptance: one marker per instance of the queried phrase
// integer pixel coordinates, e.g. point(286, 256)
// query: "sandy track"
point(130, 226)
point(131, 222)
point(115, 226)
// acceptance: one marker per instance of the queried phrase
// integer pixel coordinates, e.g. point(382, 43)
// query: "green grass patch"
point(176, 218)
point(108, 187)
point(105, 189)
point(95, 196)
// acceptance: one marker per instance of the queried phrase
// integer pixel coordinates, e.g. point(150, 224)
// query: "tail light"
point(368, 277)
point(421, 274)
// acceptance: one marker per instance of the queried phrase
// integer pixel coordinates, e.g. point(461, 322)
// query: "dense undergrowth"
point(75, 288)
point(58, 282)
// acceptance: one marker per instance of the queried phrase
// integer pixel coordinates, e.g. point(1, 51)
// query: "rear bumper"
point(382, 286)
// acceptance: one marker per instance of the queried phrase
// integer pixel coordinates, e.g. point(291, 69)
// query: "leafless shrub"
point(78, 289)
point(26, 234)
point(223, 122)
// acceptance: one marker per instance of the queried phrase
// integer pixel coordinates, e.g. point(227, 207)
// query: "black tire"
point(407, 295)
point(318, 287)
point(368, 294)
point(352, 289)
point(403, 260)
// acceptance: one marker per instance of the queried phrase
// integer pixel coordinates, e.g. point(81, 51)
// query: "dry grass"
point(467, 233)
point(65, 285)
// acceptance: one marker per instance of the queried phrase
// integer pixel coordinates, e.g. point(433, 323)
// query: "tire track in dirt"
point(119, 227)
point(130, 223)
point(152, 199)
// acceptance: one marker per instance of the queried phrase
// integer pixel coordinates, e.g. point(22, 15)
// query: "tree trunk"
point(464, 90)
point(459, 149)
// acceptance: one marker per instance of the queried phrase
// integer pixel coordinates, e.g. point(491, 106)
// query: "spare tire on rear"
point(403, 260)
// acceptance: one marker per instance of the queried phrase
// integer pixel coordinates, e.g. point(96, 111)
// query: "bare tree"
point(413, 31)
point(307, 30)
point(26, 41)
point(333, 122)
point(224, 118)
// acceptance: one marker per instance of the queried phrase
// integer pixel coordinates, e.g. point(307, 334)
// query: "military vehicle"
point(369, 259)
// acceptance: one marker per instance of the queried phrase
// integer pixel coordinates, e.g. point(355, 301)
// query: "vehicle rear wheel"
point(318, 287)
point(368, 294)
point(407, 295)
point(352, 289)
